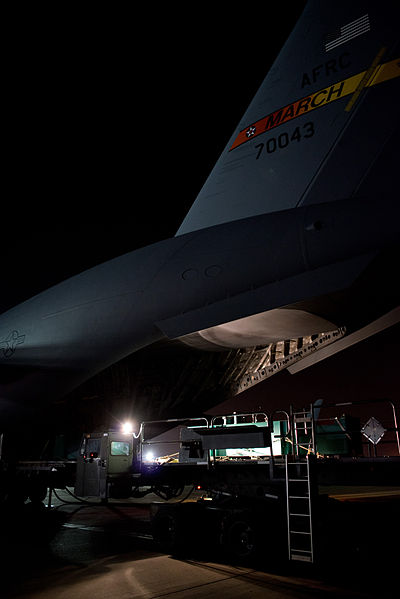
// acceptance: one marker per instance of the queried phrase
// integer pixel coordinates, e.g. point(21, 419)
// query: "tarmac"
point(78, 549)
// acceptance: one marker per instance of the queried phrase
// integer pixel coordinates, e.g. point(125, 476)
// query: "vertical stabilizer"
point(308, 119)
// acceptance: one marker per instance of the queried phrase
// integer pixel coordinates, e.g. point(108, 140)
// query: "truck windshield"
point(90, 446)
point(120, 448)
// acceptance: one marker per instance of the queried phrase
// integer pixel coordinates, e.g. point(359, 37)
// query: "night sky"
point(113, 121)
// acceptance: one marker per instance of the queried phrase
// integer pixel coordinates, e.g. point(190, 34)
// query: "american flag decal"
point(347, 32)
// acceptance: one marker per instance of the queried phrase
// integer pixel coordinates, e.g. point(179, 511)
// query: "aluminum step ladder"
point(298, 503)
point(303, 431)
point(298, 486)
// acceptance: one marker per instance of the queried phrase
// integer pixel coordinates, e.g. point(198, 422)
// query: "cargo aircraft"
point(294, 233)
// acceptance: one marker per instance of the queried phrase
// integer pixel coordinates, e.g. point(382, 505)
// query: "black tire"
point(168, 531)
point(38, 493)
point(17, 494)
point(121, 490)
point(239, 538)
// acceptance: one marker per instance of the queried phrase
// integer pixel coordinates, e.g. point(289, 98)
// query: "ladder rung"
point(302, 558)
point(298, 480)
point(298, 532)
point(303, 515)
point(297, 463)
point(299, 497)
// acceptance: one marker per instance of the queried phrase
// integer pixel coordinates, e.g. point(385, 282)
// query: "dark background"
point(113, 120)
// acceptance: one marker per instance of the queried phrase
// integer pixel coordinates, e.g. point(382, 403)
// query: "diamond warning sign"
point(373, 430)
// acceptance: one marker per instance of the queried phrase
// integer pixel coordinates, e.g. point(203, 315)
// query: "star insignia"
point(251, 131)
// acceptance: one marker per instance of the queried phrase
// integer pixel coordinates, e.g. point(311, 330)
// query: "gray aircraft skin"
point(302, 205)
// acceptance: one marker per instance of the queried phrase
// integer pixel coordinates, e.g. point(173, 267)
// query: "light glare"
point(127, 427)
point(149, 456)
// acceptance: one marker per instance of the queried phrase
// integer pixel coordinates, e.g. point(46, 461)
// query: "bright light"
point(127, 427)
point(149, 456)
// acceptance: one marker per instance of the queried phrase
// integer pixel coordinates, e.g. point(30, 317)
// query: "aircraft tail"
point(320, 126)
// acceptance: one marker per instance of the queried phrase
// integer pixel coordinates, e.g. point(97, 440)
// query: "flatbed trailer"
point(254, 477)
point(247, 505)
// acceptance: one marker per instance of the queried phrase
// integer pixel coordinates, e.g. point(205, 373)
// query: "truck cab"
point(104, 465)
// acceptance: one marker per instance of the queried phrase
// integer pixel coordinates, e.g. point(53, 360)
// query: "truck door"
point(120, 454)
point(90, 478)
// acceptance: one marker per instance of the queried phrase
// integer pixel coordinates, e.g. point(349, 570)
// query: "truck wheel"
point(37, 493)
point(120, 490)
point(167, 531)
point(17, 494)
point(239, 537)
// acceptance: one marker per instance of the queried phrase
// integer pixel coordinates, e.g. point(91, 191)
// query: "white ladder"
point(303, 430)
point(298, 502)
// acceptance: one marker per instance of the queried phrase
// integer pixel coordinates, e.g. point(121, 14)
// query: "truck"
point(231, 481)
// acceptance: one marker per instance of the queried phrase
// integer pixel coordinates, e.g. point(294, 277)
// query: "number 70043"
point(284, 139)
